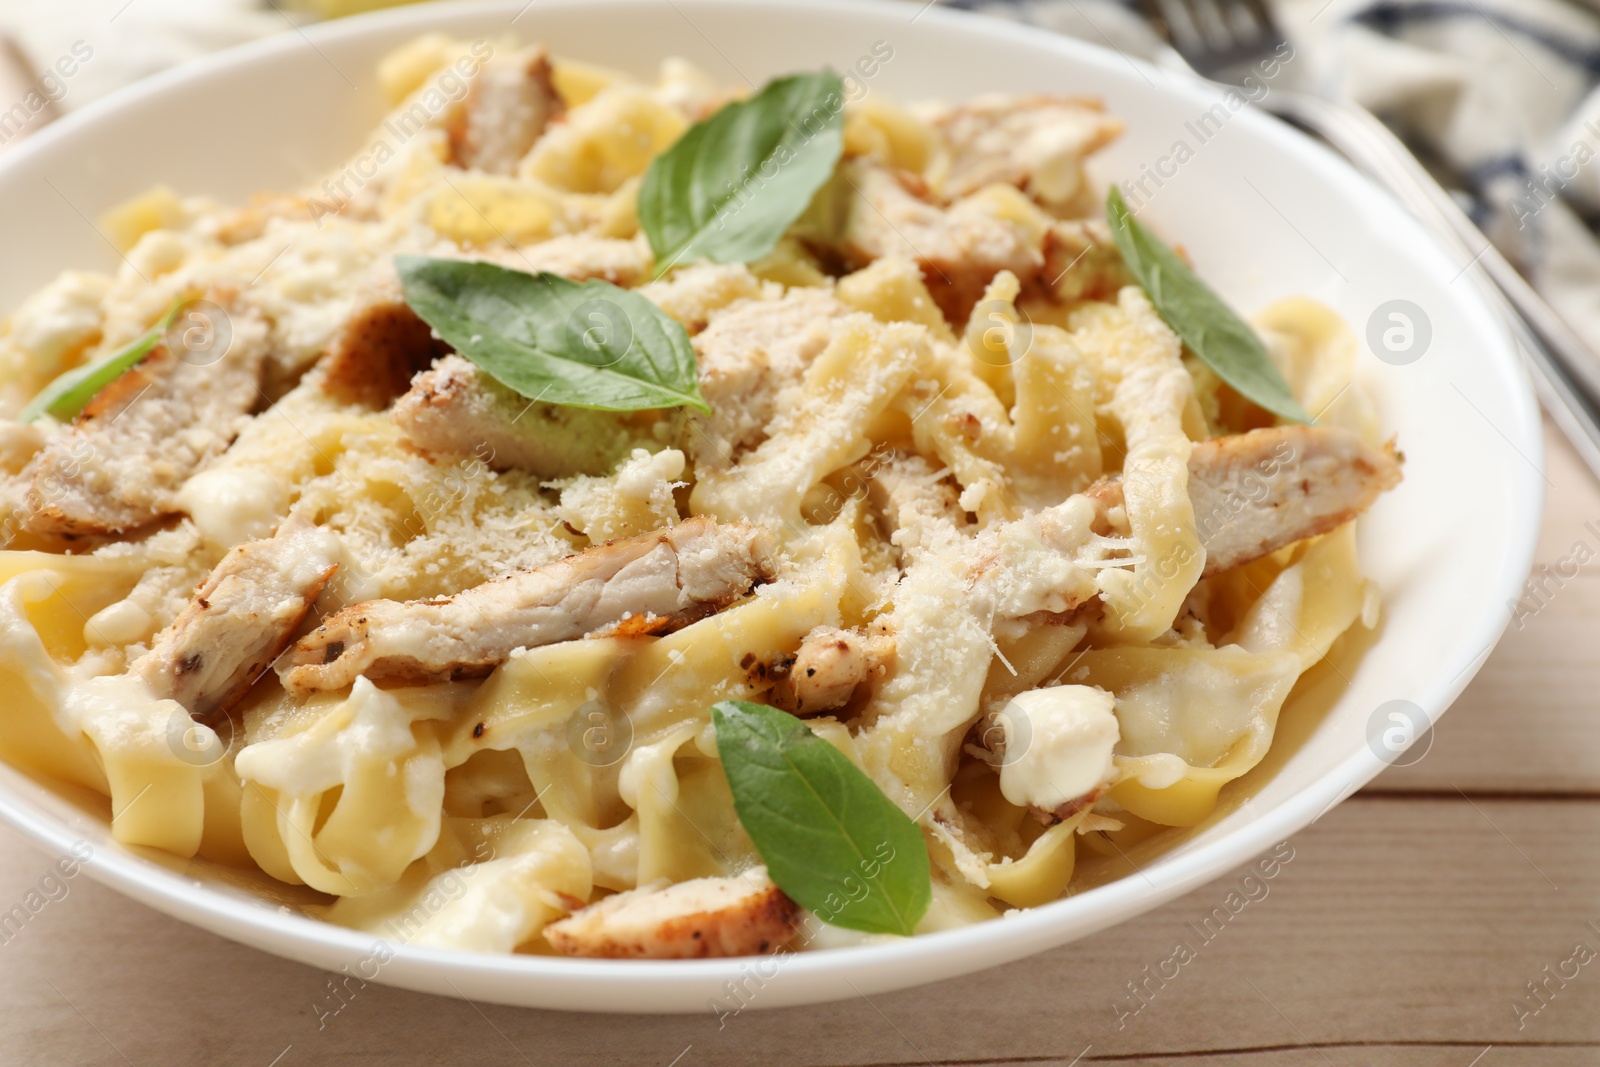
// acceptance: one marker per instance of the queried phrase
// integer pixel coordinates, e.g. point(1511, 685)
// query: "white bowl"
point(1265, 214)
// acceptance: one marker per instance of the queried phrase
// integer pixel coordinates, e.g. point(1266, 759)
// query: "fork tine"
point(1216, 37)
point(1260, 27)
point(1198, 22)
point(1205, 28)
point(1156, 15)
point(1197, 27)
point(1174, 20)
point(1263, 16)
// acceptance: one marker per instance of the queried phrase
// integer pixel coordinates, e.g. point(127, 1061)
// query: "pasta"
point(968, 473)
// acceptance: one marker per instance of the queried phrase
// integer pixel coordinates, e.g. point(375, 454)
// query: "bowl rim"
point(1012, 937)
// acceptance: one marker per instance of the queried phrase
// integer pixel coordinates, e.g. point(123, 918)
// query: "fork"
point(1220, 40)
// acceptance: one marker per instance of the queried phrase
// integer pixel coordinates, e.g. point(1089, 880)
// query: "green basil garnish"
point(728, 188)
point(580, 344)
point(70, 392)
point(828, 835)
point(1218, 337)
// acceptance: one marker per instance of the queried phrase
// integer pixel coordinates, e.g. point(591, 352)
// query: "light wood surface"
point(1404, 931)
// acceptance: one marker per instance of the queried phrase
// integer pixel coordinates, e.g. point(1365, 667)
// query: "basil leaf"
point(581, 344)
point(1218, 337)
point(729, 187)
point(830, 838)
point(70, 392)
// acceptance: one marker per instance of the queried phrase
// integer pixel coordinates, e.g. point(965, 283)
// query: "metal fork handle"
point(1566, 371)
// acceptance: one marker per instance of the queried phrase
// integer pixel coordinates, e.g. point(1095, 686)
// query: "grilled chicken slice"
point(511, 102)
point(122, 461)
point(650, 584)
point(251, 221)
point(457, 409)
point(240, 618)
point(701, 918)
point(581, 257)
point(1037, 143)
point(1081, 261)
point(692, 294)
point(748, 353)
point(1254, 493)
point(959, 248)
point(919, 505)
point(380, 347)
point(828, 667)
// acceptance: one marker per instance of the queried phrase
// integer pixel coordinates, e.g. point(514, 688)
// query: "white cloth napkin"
point(1500, 97)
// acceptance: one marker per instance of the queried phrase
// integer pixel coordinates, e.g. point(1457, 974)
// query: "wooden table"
point(1404, 931)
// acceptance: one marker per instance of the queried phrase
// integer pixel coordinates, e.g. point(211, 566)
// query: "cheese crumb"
point(1059, 743)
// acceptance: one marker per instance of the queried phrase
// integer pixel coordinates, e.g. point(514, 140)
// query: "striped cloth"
point(1500, 97)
